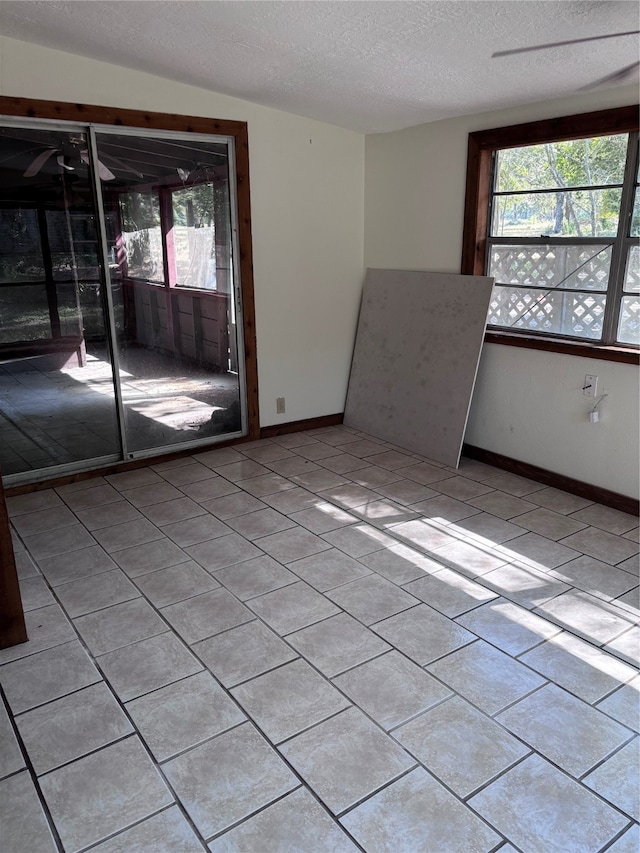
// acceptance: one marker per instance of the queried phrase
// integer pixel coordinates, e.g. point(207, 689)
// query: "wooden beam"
point(12, 627)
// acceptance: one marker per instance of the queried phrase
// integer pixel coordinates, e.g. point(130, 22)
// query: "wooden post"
point(169, 263)
point(50, 285)
point(12, 627)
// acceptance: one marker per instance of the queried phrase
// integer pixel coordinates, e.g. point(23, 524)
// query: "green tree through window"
point(562, 241)
point(553, 214)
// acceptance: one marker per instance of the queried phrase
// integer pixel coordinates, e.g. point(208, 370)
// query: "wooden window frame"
point(150, 121)
point(481, 148)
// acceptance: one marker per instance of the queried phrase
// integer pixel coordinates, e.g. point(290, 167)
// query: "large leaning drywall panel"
point(416, 357)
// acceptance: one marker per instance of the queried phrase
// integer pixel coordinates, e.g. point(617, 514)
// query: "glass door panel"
point(169, 226)
point(57, 404)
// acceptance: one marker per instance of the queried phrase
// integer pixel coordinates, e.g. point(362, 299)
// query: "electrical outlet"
point(280, 405)
point(590, 385)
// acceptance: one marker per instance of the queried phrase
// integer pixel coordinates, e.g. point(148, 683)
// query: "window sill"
point(624, 355)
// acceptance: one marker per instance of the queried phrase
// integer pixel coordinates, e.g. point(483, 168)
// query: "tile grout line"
point(114, 835)
point(32, 774)
point(140, 738)
point(135, 733)
point(327, 679)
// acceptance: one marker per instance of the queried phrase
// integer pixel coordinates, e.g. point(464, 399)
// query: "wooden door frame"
point(90, 114)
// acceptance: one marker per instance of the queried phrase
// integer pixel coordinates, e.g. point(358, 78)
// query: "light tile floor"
point(321, 643)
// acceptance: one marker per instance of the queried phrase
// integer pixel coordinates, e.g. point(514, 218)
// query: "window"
point(141, 235)
point(553, 214)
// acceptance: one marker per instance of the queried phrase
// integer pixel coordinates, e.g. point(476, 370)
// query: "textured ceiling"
point(369, 66)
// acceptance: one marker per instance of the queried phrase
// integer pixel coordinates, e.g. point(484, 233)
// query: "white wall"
point(528, 404)
point(307, 185)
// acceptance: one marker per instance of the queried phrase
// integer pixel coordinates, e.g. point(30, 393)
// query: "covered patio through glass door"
point(121, 299)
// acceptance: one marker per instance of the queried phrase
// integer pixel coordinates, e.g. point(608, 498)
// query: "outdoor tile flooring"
point(55, 412)
point(320, 643)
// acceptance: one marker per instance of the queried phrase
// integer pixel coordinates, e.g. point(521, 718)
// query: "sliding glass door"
point(168, 226)
point(56, 381)
point(119, 296)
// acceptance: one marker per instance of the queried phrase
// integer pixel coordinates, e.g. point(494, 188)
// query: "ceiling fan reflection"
point(72, 155)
